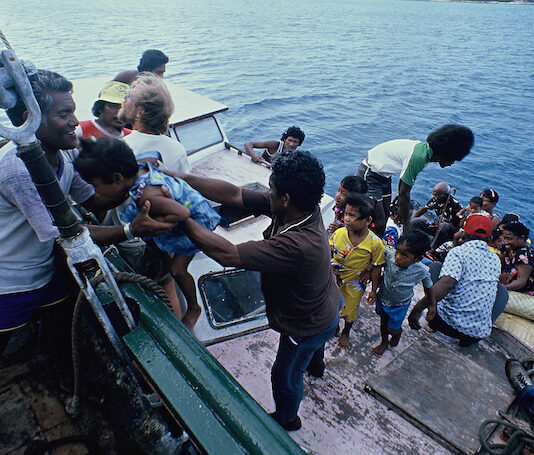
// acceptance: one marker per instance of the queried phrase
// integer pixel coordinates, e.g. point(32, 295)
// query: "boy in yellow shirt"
point(354, 248)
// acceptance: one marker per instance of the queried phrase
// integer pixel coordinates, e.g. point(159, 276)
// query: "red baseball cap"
point(478, 225)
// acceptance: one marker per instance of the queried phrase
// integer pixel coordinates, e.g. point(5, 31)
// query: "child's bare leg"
point(170, 290)
point(344, 338)
point(187, 285)
point(384, 334)
point(395, 337)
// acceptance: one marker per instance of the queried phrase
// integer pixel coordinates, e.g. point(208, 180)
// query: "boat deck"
point(427, 395)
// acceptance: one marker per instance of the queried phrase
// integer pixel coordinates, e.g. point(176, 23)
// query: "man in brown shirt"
point(294, 260)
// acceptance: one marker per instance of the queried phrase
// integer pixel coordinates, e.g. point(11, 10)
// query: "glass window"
point(199, 134)
point(232, 296)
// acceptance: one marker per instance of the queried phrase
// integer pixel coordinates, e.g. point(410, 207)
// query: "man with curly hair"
point(294, 260)
point(291, 138)
point(407, 158)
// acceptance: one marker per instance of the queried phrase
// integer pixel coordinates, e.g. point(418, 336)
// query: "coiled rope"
point(120, 278)
point(521, 437)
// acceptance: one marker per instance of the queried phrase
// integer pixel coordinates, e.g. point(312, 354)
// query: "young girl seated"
point(111, 167)
point(354, 248)
point(402, 271)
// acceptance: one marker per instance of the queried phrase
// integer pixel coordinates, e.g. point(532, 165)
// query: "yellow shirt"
point(348, 261)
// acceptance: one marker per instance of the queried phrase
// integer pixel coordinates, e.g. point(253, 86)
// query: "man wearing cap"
point(468, 294)
point(106, 110)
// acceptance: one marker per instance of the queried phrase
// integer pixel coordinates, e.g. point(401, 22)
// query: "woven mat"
point(519, 327)
point(520, 304)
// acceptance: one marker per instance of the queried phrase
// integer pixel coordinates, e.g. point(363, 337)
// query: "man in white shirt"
point(407, 158)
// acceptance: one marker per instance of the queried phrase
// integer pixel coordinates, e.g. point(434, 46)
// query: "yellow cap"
point(114, 92)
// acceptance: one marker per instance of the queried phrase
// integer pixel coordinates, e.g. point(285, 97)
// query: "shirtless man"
point(292, 138)
point(152, 60)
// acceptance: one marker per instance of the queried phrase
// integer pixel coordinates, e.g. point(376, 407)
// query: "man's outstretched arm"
point(271, 146)
point(215, 246)
point(404, 205)
point(214, 189)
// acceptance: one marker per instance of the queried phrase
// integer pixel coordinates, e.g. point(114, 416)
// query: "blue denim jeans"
point(294, 355)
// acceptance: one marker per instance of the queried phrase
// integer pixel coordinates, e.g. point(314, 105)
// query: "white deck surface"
point(338, 415)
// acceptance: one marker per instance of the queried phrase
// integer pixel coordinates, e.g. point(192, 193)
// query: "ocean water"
point(350, 73)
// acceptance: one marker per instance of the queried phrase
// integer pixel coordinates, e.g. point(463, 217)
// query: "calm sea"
point(350, 73)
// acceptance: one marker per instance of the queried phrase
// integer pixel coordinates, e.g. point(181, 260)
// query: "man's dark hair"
point(293, 131)
point(98, 107)
point(417, 241)
point(151, 58)
point(354, 184)
point(103, 158)
point(477, 200)
point(300, 175)
point(517, 228)
point(491, 195)
point(43, 84)
point(362, 203)
point(451, 142)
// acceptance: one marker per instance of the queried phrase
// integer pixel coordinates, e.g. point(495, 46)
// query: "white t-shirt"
point(392, 157)
point(26, 231)
point(172, 153)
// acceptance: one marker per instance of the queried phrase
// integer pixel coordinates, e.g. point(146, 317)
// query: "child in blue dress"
point(111, 167)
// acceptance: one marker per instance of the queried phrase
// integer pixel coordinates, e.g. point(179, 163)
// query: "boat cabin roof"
point(188, 106)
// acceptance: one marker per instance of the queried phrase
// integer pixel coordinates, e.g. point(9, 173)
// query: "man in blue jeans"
point(294, 260)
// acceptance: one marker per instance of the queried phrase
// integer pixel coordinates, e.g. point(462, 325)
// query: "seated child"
point(111, 167)
point(354, 247)
point(393, 225)
point(475, 206)
point(349, 184)
point(402, 271)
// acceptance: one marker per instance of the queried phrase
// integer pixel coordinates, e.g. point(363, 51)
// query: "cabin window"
point(199, 134)
point(232, 296)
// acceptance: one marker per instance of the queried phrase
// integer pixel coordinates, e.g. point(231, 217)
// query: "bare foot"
point(413, 319)
point(379, 350)
point(191, 316)
point(344, 340)
point(394, 341)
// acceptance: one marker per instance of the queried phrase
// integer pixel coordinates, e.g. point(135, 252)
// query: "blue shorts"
point(394, 314)
point(17, 309)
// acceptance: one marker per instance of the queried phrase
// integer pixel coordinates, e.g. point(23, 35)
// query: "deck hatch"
point(444, 390)
point(232, 296)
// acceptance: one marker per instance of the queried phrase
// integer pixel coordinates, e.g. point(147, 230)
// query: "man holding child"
point(294, 260)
